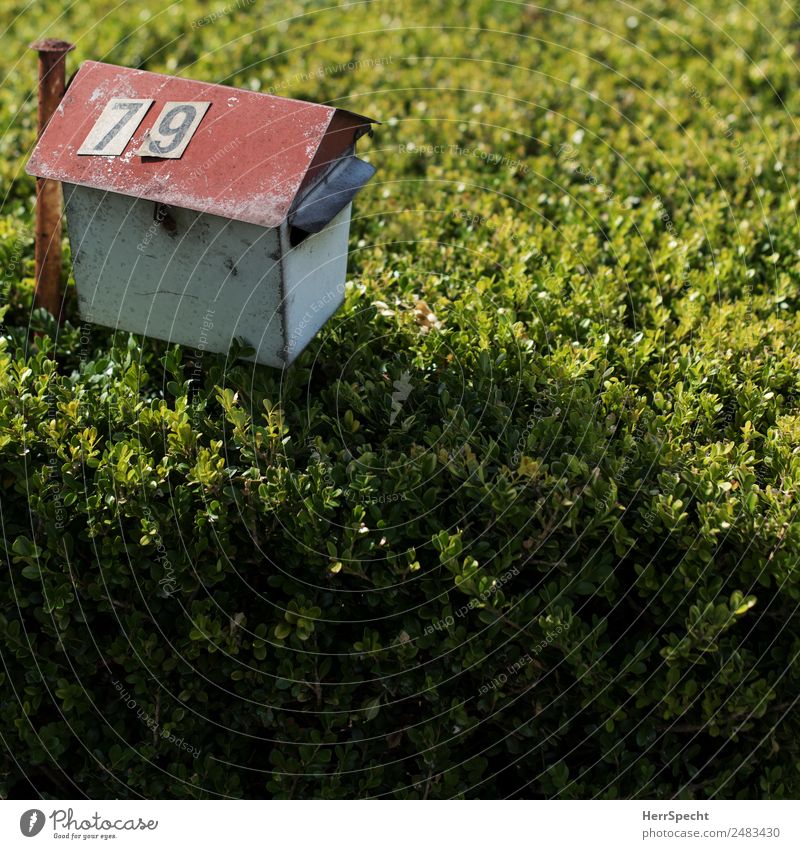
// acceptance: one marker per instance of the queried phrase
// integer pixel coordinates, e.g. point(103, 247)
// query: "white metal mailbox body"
point(200, 214)
point(203, 280)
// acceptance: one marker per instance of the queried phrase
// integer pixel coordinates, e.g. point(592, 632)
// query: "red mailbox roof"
point(247, 160)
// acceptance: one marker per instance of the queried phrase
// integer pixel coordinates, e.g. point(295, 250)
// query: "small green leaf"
point(372, 708)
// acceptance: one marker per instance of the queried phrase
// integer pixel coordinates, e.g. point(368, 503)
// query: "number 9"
point(177, 132)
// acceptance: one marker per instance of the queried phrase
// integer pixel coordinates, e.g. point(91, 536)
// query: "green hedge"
point(537, 580)
point(522, 521)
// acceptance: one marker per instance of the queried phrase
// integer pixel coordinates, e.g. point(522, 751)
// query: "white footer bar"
point(401, 825)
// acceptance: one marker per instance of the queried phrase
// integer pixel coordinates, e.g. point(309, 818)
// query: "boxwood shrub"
point(522, 520)
point(530, 577)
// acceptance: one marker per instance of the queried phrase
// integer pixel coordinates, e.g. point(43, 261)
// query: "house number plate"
point(166, 139)
point(115, 126)
point(173, 129)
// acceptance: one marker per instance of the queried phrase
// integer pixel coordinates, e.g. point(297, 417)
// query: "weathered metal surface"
point(246, 161)
point(201, 280)
point(314, 274)
point(47, 248)
point(344, 130)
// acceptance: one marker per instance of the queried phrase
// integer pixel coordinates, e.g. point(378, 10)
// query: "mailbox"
point(199, 213)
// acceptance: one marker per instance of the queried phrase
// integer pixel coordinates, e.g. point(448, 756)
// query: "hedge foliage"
point(522, 519)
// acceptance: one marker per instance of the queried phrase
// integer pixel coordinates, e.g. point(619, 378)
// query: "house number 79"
point(166, 139)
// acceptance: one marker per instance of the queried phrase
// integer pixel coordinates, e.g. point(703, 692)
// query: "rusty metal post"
point(52, 84)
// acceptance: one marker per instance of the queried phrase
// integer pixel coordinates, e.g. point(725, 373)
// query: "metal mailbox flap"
point(331, 194)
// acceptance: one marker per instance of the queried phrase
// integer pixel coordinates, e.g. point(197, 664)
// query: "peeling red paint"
point(247, 160)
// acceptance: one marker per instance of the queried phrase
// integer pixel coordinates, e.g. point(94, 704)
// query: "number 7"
point(132, 109)
point(107, 138)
